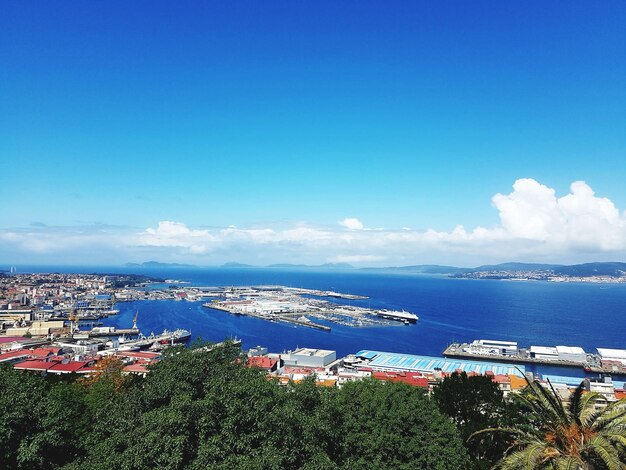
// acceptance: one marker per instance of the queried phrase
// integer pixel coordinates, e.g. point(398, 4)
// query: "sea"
point(450, 310)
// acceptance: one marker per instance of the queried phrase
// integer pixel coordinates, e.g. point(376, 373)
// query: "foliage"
point(586, 433)
point(474, 403)
point(108, 370)
point(386, 425)
point(202, 408)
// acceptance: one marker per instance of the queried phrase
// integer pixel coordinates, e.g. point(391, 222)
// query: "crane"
point(135, 320)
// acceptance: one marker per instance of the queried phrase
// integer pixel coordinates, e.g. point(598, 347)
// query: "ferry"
point(398, 315)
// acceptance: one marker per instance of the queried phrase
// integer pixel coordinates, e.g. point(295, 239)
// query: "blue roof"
point(561, 379)
point(412, 362)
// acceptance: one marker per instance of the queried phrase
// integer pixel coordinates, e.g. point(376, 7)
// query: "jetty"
point(606, 361)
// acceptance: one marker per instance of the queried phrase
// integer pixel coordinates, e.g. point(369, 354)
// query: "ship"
point(177, 336)
point(397, 315)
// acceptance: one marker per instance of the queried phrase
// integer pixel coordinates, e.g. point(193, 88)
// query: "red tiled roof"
point(45, 352)
point(262, 361)
point(139, 354)
point(501, 379)
point(7, 356)
point(72, 366)
point(10, 339)
point(35, 364)
point(136, 368)
point(412, 378)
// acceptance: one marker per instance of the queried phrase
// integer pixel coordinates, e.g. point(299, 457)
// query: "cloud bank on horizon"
point(535, 225)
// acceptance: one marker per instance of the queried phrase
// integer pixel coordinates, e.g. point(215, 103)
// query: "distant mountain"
point(517, 267)
point(423, 269)
point(547, 272)
point(232, 264)
point(317, 266)
point(156, 264)
point(613, 269)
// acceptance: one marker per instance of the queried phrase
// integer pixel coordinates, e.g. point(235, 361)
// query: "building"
point(546, 353)
point(559, 353)
point(572, 354)
point(307, 357)
point(378, 360)
point(604, 386)
point(493, 347)
point(614, 355)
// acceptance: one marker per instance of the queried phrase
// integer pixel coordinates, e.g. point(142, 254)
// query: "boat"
point(397, 315)
point(170, 337)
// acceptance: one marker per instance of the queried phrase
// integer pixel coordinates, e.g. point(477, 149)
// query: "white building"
point(493, 347)
point(603, 386)
point(547, 353)
point(618, 355)
point(559, 353)
point(307, 357)
point(572, 353)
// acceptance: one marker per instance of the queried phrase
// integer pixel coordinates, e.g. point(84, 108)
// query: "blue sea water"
point(450, 310)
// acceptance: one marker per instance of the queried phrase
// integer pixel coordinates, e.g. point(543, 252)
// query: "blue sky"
point(275, 115)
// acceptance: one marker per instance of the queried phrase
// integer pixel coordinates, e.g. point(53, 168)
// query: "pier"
point(454, 350)
point(592, 362)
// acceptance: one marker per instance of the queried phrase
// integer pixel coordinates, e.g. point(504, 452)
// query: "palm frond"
point(576, 403)
point(528, 458)
point(569, 463)
point(601, 448)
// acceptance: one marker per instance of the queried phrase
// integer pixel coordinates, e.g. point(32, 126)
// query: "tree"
point(394, 425)
point(587, 433)
point(474, 403)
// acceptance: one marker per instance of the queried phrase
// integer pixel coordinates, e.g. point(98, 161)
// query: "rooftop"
point(313, 352)
point(428, 363)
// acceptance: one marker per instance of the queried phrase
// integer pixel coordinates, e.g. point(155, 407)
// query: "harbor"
point(609, 361)
point(296, 305)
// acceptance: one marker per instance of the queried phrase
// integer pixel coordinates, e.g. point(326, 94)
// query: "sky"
point(374, 133)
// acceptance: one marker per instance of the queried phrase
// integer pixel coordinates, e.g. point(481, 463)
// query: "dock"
point(309, 324)
point(592, 363)
point(454, 350)
point(116, 332)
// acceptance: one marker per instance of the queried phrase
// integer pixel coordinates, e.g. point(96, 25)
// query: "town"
point(41, 316)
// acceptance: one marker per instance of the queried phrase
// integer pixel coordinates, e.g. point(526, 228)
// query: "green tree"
point(394, 425)
point(586, 433)
point(474, 403)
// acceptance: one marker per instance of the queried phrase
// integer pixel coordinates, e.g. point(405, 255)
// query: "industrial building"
point(488, 346)
point(559, 353)
point(378, 360)
point(307, 357)
point(616, 355)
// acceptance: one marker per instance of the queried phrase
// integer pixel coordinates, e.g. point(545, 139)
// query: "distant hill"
point(613, 269)
point(157, 264)
point(309, 266)
point(423, 269)
point(232, 264)
point(517, 267)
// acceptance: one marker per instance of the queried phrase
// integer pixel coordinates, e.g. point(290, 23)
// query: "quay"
point(291, 304)
point(610, 361)
point(455, 351)
point(309, 323)
point(267, 316)
point(112, 332)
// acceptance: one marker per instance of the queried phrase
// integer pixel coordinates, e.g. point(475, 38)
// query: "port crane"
point(135, 320)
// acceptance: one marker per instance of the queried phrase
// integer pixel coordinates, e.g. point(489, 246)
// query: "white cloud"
point(534, 224)
point(351, 223)
point(177, 235)
point(579, 219)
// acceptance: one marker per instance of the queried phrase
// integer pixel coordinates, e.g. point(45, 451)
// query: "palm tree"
point(589, 433)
